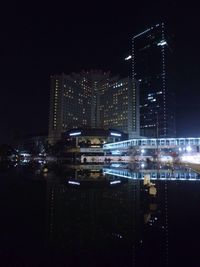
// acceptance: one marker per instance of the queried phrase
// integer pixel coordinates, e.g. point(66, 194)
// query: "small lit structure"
point(87, 144)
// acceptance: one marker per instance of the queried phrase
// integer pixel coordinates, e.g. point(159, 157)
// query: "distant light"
point(142, 165)
point(73, 134)
point(161, 43)
point(115, 134)
point(188, 148)
point(115, 182)
point(25, 160)
point(180, 149)
point(128, 57)
point(25, 154)
point(72, 182)
point(142, 151)
point(45, 170)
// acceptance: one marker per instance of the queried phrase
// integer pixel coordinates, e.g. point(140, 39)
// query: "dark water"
point(47, 221)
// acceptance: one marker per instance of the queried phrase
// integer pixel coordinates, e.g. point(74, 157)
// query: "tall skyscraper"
point(151, 53)
point(91, 100)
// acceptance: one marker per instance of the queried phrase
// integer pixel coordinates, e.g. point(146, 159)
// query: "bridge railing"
point(153, 142)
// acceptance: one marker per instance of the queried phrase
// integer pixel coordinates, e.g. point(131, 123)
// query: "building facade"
point(151, 55)
point(91, 100)
point(118, 108)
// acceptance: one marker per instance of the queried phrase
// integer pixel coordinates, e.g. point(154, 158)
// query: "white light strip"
point(115, 134)
point(73, 134)
point(161, 43)
point(128, 57)
point(141, 33)
point(115, 182)
point(72, 182)
point(119, 175)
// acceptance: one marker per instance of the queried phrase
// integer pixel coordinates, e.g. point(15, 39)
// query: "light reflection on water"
point(92, 172)
point(102, 216)
point(154, 174)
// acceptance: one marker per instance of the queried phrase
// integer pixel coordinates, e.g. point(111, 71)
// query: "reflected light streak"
point(72, 182)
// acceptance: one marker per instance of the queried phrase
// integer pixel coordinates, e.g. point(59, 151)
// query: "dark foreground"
point(47, 221)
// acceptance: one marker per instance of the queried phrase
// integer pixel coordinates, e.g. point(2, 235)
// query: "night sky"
point(39, 40)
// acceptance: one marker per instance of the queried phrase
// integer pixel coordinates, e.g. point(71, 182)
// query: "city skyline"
point(35, 46)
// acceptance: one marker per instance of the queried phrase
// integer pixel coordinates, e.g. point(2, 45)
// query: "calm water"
point(99, 218)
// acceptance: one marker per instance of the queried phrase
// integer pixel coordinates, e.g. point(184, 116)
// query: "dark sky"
point(41, 39)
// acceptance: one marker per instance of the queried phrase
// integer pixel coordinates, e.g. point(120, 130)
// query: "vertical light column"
point(135, 118)
point(164, 80)
point(55, 107)
point(134, 89)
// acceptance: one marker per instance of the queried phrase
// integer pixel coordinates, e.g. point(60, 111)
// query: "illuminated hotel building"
point(151, 55)
point(92, 100)
point(118, 109)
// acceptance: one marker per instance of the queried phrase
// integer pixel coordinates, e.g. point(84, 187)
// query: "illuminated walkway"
point(184, 143)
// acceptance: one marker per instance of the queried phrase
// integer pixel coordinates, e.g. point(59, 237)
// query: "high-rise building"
point(92, 100)
point(118, 107)
point(151, 55)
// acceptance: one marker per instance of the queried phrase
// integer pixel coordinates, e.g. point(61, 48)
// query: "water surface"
point(99, 217)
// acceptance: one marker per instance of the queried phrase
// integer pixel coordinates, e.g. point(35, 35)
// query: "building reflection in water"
point(104, 219)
